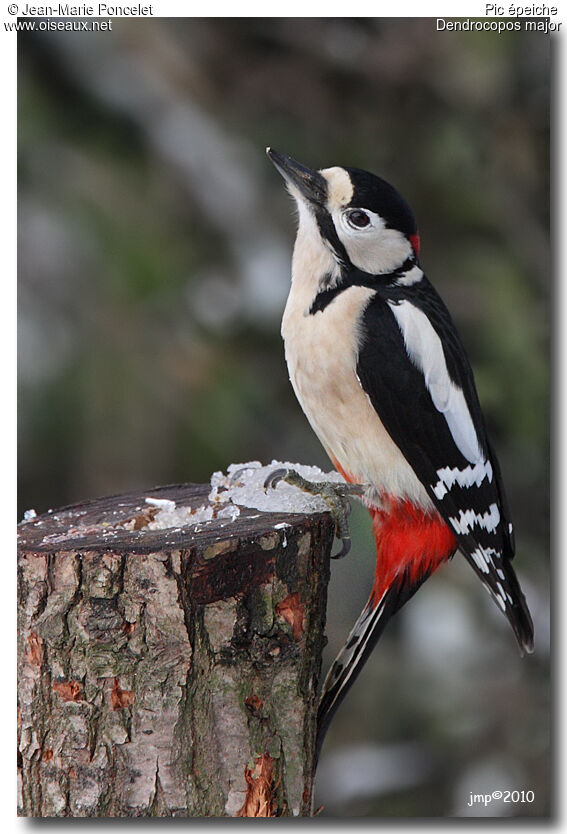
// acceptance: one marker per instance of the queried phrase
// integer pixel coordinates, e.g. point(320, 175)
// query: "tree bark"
point(169, 672)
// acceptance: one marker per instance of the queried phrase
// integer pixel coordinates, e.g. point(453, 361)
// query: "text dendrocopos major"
point(381, 374)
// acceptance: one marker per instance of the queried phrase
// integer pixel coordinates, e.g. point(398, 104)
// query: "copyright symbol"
point(497, 794)
point(12, 8)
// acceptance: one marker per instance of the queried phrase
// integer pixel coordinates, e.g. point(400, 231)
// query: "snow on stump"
point(169, 649)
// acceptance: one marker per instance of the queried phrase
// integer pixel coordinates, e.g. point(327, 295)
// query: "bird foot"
point(334, 494)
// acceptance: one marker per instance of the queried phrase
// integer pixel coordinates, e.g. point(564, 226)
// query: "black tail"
point(349, 662)
point(498, 577)
point(518, 614)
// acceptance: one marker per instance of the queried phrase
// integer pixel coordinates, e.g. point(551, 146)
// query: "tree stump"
point(169, 672)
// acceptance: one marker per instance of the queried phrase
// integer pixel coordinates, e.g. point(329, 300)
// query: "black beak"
point(311, 184)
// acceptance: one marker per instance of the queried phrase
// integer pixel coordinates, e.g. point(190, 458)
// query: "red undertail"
point(410, 544)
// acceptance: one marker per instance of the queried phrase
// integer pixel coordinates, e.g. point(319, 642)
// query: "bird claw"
point(345, 549)
point(275, 477)
point(334, 494)
point(235, 476)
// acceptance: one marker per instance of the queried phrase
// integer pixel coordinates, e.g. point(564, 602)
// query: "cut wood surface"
point(169, 672)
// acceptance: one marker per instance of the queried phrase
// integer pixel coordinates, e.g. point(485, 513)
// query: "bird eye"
point(358, 219)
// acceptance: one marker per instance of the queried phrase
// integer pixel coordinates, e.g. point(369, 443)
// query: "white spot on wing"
point(484, 558)
point(440, 490)
point(500, 600)
point(468, 518)
point(426, 351)
point(463, 477)
point(479, 559)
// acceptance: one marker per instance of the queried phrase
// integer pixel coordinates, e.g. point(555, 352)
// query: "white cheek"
point(373, 249)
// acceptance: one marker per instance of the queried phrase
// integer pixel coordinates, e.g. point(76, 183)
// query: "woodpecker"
point(379, 370)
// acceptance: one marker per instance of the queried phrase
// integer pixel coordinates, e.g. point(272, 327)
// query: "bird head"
point(360, 218)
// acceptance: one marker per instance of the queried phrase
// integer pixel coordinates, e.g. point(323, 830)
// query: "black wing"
point(469, 497)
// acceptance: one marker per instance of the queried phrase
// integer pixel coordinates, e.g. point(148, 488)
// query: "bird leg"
point(334, 494)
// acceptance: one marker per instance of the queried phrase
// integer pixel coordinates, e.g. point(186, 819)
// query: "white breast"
point(321, 353)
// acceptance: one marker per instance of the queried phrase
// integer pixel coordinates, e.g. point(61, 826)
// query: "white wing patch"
point(467, 477)
point(483, 557)
point(468, 519)
point(426, 351)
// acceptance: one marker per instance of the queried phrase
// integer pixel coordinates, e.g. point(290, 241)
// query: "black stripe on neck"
point(324, 298)
point(329, 234)
point(352, 277)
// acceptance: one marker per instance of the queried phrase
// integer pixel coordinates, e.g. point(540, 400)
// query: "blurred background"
point(154, 256)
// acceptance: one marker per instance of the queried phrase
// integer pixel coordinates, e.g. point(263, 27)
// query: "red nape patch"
point(415, 243)
point(408, 540)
